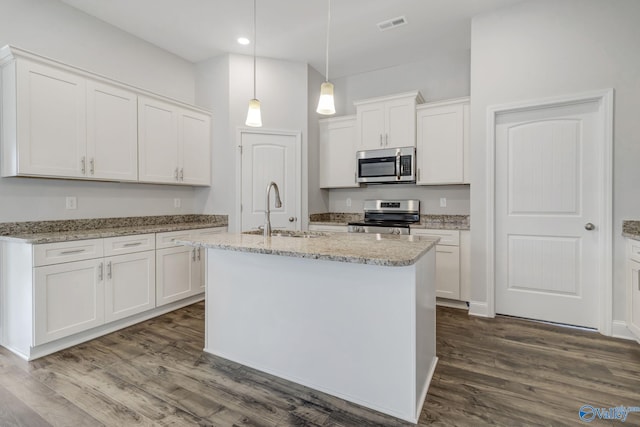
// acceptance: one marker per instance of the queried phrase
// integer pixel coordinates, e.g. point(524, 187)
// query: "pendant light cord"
point(326, 74)
point(254, 49)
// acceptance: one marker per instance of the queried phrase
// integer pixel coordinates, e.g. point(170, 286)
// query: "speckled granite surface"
point(80, 229)
point(444, 222)
point(374, 249)
point(631, 229)
point(439, 222)
point(335, 218)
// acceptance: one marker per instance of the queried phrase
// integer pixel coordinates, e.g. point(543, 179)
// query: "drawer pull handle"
point(101, 271)
point(128, 245)
point(76, 251)
point(109, 270)
point(199, 253)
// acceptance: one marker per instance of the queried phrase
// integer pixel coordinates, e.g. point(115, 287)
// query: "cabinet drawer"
point(447, 237)
point(329, 228)
point(634, 250)
point(204, 232)
point(129, 244)
point(57, 253)
point(166, 240)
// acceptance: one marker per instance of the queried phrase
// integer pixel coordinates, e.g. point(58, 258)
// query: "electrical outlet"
point(443, 202)
point(71, 202)
point(348, 202)
point(177, 203)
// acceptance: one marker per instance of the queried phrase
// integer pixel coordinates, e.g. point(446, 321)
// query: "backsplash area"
point(352, 199)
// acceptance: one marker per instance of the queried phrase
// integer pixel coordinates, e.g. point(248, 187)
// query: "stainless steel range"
point(387, 217)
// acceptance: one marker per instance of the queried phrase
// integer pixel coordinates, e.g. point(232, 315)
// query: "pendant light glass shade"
point(254, 118)
point(326, 104)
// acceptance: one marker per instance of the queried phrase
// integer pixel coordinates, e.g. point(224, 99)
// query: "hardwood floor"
point(499, 371)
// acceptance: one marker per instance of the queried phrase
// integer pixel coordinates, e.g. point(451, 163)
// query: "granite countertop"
point(438, 222)
point(374, 249)
point(35, 232)
point(631, 229)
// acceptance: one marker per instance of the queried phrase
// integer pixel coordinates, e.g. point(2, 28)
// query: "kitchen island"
point(349, 315)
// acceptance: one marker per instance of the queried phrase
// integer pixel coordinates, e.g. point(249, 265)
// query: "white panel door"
point(112, 133)
point(546, 199)
point(270, 156)
point(51, 121)
point(130, 285)
point(68, 298)
point(441, 145)
point(195, 148)
point(400, 123)
point(157, 141)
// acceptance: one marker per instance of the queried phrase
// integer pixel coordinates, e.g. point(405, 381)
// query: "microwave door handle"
point(398, 171)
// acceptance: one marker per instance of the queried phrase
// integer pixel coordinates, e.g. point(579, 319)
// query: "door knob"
point(589, 226)
point(292, 218)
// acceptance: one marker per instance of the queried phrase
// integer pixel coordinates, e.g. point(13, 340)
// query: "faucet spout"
point(267, 208)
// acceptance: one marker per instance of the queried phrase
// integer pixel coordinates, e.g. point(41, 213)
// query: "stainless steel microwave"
point(392, 165)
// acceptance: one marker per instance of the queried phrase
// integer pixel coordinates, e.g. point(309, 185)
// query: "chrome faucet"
point(267, 209)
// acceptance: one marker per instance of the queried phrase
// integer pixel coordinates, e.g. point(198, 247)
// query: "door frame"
point(262, 131)
point(604, 98)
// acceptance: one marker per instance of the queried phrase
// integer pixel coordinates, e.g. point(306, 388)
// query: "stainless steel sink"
point(289, 233)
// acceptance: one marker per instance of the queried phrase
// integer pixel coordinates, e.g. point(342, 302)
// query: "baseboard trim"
point(444, 302)
point(479, 309)
point(620, 330)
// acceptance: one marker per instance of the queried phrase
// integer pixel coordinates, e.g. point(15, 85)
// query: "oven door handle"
point(398, 171)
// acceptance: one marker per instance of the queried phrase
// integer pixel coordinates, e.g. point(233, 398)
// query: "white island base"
point(364, 333)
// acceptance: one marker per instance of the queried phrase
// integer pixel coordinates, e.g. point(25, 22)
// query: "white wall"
point(441, 77)
point(545, 48)
point(281, 89)
point(52, 29)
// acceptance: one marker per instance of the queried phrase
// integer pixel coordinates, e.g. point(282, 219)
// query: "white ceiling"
point(295, 29)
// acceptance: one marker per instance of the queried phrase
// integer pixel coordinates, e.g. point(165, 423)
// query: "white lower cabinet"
point(448, 265)
point(55, 295)
point(633, 287)
point(130, 284)
point(180, 270)
point(324, 228)
point(68, 298)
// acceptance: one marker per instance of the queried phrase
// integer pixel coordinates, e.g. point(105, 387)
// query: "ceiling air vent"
point(392, 23)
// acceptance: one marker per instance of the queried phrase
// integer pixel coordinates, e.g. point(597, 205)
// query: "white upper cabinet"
point(112, 137)
point(338, 152)
point(387, 122)
point(443, 142)
point(174, 143)
point(43, 121)
point(59, 121)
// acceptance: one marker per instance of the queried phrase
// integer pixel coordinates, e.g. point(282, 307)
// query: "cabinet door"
point(465, 265)
point(157, 141)
point(441, 145)
point(69, 298)
point(448, 272)
point(51, 130)
point(400, 123)
point(371, 126)
point(112, 133)
point(175, 269)
point(338, 153)
point(195, 148)
point(129, 285)
point(633, 297)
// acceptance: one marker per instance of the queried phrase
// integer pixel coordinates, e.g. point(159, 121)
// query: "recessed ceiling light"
point(243, 41)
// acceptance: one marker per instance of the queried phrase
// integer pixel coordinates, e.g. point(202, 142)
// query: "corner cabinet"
point(633, 287)
point(174, 143)
point(338, 152)
point(59, 121)
point(443, 142)
point(387, 122)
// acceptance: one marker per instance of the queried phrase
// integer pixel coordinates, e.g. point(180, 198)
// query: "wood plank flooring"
point(499, 371)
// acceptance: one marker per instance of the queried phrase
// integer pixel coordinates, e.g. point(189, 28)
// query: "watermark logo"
point(589, 413)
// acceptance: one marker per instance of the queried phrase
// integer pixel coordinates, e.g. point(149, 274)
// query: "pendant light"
point(254, 118)
point(326, 105)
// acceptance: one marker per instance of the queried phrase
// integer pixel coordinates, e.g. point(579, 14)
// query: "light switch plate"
point(443, 202)
point(177, 203)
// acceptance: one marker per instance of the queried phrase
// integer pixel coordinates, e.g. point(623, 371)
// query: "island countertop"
point(374, 249)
